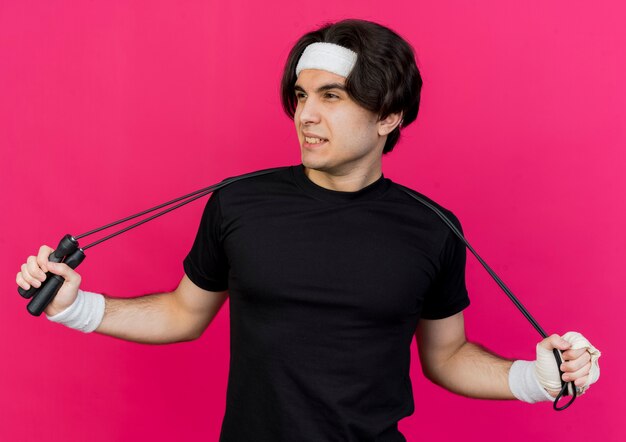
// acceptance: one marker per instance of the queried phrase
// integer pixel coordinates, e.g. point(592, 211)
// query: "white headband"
point(327, 57)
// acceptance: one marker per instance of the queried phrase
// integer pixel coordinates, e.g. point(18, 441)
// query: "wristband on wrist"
point(524, 384)
point(85, 314)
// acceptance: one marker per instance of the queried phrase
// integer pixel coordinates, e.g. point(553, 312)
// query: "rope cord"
point(505, 289)
point(185, 199)
point(188, 198)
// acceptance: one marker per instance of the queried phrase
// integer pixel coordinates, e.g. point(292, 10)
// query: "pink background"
point(109, 107)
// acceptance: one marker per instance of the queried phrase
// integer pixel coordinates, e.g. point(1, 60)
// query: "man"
point(330, 269)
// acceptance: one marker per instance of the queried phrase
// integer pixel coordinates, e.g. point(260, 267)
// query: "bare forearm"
point(150, 319)
point(473, 371)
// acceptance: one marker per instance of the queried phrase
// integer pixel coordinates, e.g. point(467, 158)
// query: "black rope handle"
point(43, 295)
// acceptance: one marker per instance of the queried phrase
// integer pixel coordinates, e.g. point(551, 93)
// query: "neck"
point(348, 181)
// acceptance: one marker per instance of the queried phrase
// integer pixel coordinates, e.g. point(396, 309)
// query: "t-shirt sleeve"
point(448, 294)
point(206, 265)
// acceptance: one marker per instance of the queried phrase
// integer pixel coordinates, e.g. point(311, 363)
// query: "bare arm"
point(469, 369)
point(457, 365)
point(181, 315)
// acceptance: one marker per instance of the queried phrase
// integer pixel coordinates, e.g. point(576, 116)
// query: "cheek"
point(357, 131)
point(297, 125)
point(296, 116)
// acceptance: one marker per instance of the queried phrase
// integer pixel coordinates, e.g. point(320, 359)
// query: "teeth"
point(313, 140)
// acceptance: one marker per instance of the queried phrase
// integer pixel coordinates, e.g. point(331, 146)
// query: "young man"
point(331, 269)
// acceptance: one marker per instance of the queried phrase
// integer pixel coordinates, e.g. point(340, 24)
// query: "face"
point(337, 136)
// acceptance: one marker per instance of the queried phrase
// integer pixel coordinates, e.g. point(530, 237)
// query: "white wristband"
point(85, 314)
point(524, 384)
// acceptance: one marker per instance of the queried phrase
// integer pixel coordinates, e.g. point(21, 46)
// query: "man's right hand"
point(33, 273)
point(163, 318)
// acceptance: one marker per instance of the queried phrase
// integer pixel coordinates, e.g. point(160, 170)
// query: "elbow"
point(436, 367)
point(179, 331)
point(431, 374)
point(190, 334)
point(195, 335)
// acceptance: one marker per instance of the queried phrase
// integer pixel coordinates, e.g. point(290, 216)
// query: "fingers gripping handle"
point(563, 392)
point(67, 246)
point(51, 286)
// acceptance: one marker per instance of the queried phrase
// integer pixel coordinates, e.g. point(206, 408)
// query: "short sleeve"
point(448, 294)
point(206, 265)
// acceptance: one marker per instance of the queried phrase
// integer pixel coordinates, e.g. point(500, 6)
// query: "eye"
point(300, 95)
point(330, 95)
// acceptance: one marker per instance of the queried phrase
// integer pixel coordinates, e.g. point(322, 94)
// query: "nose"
point(309, 111)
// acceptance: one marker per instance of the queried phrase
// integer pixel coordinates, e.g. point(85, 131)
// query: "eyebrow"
point(323, 88)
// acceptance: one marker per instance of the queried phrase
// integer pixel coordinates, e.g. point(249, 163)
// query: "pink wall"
point(109, 107)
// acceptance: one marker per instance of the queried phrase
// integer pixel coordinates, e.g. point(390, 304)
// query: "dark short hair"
point(384, 80)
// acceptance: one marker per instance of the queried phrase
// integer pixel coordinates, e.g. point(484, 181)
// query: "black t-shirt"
point(326, 290)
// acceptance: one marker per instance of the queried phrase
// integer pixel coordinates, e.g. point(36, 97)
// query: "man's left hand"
point(579, 362)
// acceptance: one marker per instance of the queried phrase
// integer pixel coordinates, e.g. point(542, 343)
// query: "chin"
point(314, 162)
point(310, 162)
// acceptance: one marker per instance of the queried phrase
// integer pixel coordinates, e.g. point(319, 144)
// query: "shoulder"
point(256, 181)
point(423, 205)
point(252, 192)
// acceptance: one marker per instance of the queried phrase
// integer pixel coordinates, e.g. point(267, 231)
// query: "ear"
point(389, 123)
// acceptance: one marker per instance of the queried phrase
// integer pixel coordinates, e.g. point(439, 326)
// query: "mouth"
point(313, 142)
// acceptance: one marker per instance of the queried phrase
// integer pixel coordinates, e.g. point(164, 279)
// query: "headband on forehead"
point(327, 57)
